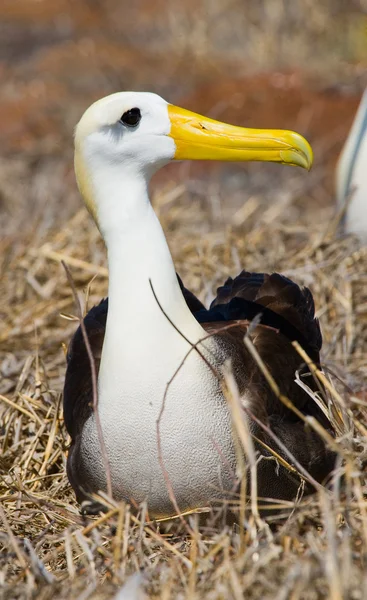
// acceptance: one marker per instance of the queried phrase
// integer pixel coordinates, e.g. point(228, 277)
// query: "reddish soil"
point(57, 57)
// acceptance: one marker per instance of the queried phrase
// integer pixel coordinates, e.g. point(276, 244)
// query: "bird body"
point(166, 423)
point(351, 174)
point(138, 334)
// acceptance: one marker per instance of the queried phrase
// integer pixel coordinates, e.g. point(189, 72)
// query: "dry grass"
point(317, 549)
point(314, 548)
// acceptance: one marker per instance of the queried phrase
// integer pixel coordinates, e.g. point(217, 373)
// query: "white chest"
point(152, 426)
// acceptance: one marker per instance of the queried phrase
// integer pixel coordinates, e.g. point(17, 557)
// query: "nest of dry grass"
point(314, 548)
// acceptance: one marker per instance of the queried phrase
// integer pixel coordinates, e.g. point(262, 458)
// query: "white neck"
point(137, 331)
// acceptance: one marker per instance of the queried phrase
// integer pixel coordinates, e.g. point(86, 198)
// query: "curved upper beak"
point(200, 138)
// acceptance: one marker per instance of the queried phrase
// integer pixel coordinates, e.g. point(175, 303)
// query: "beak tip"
point(309, 155)
point(307, 162)
point(302, 153)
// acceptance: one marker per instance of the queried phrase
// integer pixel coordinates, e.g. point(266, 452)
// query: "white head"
point(126, 129)
point(123, 139)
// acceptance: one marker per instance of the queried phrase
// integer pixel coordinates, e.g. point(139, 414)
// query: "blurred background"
point(298, 64)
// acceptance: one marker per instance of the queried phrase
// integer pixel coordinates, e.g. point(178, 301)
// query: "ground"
point(297, 65)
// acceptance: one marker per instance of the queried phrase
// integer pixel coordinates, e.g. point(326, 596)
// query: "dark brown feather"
point(287, 303)
point(280, 295)
point(78, 389)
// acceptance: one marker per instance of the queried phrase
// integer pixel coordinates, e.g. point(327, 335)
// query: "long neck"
point(139, 262)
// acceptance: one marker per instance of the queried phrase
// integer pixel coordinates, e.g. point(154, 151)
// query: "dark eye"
point(131, 117)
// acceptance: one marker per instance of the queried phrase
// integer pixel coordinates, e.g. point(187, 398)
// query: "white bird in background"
point(351, 174)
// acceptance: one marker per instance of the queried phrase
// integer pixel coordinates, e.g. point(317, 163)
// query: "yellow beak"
point(201, 138)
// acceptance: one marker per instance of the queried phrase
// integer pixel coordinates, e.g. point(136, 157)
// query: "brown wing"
point(287, 313)
point(287, 300)
point(78, 389)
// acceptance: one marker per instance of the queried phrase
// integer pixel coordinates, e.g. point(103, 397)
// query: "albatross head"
point(130, 135)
